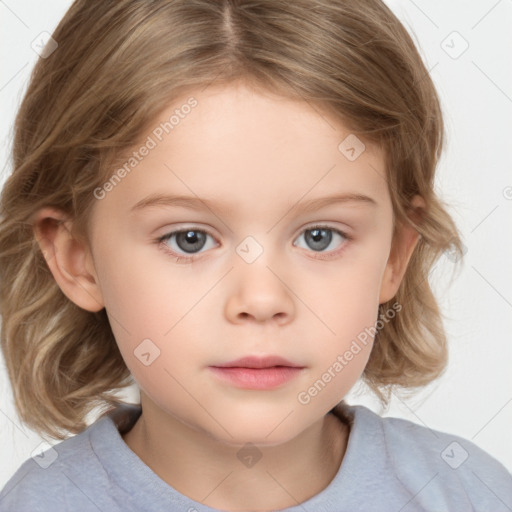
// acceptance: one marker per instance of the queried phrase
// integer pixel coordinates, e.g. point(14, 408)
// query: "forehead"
point(246, 147)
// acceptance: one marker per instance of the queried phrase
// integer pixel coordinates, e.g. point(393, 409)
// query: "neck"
point(230, 477)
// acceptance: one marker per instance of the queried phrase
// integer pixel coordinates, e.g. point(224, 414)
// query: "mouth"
point(258, 373)
point(258, 362)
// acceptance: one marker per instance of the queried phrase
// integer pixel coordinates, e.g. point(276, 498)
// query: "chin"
point(257, 429)
point(244, 436)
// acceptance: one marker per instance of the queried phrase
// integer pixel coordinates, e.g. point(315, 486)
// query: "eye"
point(186, 241)
point(319, 238)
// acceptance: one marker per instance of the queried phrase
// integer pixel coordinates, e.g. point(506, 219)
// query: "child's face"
point(257, 284)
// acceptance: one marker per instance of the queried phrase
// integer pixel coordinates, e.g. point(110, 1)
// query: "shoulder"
point(436, 465)
point(62, 477)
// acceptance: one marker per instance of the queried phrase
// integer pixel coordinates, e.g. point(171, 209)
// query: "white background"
point(474, 398)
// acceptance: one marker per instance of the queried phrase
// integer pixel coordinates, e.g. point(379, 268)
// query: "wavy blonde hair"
point(117, 65)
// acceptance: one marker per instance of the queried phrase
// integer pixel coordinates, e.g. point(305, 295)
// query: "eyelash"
point(187, 259)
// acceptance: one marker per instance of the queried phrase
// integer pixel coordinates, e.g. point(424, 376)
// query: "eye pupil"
point(316, 234)
point(190, 241)
point(318, 239)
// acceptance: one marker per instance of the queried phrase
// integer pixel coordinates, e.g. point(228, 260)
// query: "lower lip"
point(257, 378)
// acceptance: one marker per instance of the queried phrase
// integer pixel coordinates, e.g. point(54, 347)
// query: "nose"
point(260, 294)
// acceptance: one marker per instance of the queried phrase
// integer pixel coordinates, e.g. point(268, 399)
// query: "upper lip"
point(258, 362)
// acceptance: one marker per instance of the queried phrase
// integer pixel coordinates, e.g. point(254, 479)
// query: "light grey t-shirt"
point(391, 465)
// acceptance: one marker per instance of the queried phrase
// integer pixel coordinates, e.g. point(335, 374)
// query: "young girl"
point(230, 203)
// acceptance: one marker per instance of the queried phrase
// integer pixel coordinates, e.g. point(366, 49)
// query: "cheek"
point(153, 312)
point(345, 338)
point(346, 300)
point(143, 295)
point(346, 296)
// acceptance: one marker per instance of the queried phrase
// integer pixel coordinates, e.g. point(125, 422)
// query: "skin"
point(261, 157)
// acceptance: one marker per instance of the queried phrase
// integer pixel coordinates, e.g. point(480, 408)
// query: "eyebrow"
point(155, 200)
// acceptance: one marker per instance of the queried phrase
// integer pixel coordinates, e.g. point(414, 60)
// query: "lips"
point(257, 373)
point(258, 362)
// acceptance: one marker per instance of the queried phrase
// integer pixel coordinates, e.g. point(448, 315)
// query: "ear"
point(68, 258)
point(404, 242)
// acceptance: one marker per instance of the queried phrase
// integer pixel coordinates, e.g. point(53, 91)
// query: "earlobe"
point(68, 259)
point(404, 243)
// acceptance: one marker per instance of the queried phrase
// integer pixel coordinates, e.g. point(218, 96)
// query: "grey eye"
point(319, 238)
point(189, 241)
